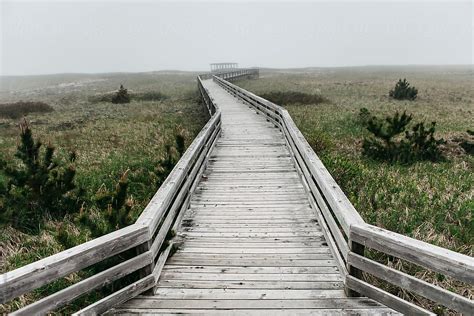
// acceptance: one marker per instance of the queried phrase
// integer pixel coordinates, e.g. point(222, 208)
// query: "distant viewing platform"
point(223, 66)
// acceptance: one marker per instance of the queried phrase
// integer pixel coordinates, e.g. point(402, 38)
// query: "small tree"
point(382, 144)
point(423, 145)
point(388, 144)
point(38, 185)
point(403, 91)
point(121, 96)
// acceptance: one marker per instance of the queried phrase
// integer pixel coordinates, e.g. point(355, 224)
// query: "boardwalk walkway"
point(250, 240)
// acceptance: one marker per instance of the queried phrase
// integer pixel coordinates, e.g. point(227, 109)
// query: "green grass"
point(109, 139)
point(293, 97)
point(428, 201)
point(18, 109)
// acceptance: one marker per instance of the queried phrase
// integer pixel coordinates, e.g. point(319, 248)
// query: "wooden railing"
point(147, 236)
point(235, 74)
point(348, 235)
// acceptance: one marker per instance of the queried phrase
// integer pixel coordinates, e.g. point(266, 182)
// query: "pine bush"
point(403, 91)
point(364, 115)
point(392, 141)
point(38, 185)
point(121, 96)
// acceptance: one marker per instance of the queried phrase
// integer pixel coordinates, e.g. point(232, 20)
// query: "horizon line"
point(206, 71)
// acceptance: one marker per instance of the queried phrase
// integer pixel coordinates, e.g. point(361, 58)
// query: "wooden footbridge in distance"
point(259, 227)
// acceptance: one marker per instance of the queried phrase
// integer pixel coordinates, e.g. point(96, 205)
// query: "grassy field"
point(425, 200)
point(108, 138)
point(429, 201)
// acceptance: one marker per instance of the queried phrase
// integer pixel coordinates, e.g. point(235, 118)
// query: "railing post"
point(356, 273)
point(148, 269)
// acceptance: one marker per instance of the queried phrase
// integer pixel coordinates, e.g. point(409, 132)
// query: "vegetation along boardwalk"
point(261, 228)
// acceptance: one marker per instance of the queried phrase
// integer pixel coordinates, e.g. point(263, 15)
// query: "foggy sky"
point(90, 37)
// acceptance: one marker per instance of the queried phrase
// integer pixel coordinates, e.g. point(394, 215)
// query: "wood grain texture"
point(412, 284)
point(41, 272)
point(383, 297)
point(70, 293)
point(435, 258)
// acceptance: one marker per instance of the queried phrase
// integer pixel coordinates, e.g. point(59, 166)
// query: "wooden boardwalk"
point(250, 241)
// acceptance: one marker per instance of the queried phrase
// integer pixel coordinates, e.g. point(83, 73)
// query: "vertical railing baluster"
point(148, 269)
point(353, 271)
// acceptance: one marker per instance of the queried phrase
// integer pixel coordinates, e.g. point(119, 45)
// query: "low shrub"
point(319, 141)
point(105, 97)
point(386, 142)
point(148, 96)
point(364, 116)
point(293, 97)
point(468, 143)
point(121, 96)
point(21, 108)
point(403, 91)
point(39, 184)
point(138, 96)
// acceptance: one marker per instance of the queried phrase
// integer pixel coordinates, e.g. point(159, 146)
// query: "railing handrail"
point(441, 260)
point(36, 274)
point(438, 259)
point(147, 235)
point(349, 233)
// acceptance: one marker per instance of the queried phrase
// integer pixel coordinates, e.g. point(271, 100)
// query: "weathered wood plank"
point(257, 240)
point(251, 235)
point(249, 269)
point(254, 262)
point(251, 229)
point(41, 272)
point(118, 297)
point(276, 312)
point(438, 259)
point(72, 292)
point(410, 283)
point(248, 294)
point(308, 250)
point(166, 275)
point(198, 284)
point(254, 246)
point(151, 302)
point(256, 225)
point(252, 256)
point(383, 297)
